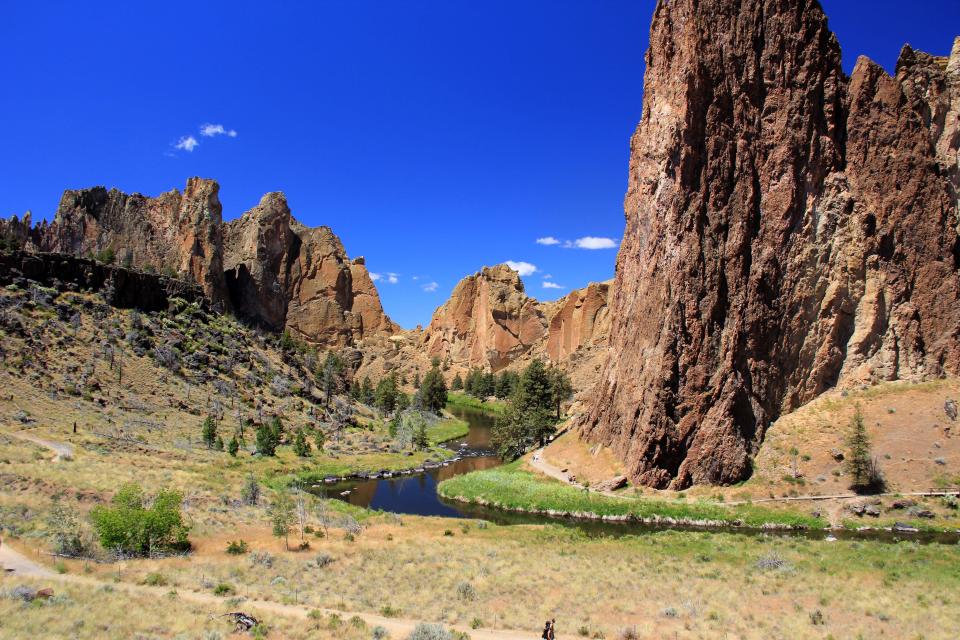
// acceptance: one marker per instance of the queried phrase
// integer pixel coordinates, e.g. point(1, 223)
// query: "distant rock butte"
point(490, 322)
point(269, 268)
point(788, 230)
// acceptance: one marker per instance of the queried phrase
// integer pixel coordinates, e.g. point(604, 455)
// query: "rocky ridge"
point(788, 230)
point(270, 269)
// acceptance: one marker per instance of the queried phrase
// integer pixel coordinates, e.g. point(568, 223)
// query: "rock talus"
point(788, 229)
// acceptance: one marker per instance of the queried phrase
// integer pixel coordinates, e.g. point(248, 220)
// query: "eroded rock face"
point(178, 232)
point(269, 268)
point(283, 275)
point(787, 230)
point(580, 318)
point(488, 321)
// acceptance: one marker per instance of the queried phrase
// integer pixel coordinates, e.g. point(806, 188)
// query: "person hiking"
point(547, 631)
point(553, 629)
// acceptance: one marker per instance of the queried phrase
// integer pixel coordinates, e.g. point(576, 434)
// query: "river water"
point(416, 494)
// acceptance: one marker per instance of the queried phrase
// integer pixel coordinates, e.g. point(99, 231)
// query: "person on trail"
point(553, 629)
point(547, 631)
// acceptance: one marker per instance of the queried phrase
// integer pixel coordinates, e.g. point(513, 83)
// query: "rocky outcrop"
point(580, 318)
point(788, 229)
point(285, 276)
point(120, 287)
point(269, 268)
point(176, 232)
point(488, 321)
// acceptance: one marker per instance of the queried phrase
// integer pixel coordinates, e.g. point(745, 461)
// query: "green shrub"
point(223, 589)
point(237, 547)
point(155, 579)
point(127, 526)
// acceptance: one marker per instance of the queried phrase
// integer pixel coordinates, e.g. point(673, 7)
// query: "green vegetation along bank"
point(512, 488)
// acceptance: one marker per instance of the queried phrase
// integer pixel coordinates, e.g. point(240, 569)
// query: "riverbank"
point(491, 407)
point(447, 429)
point(512, 487)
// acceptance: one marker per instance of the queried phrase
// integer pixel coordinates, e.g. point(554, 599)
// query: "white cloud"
point(548, 276)
point(186, 143)
point(430, 287)
point(375, 276)
point(591, 242)
point(548, 240)
point(393, 278)
point(211, 130)
point(523, 268)
point(547, 284)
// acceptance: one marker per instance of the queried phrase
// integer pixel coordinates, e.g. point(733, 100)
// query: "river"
point(416, 494)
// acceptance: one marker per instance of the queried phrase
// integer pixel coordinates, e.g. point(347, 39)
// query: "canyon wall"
point(788, 229)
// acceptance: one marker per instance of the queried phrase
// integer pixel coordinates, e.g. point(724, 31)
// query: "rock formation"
point(175, 231)
point(788, 229)
point(272, 270)
point(283, 275)
point(488, 321)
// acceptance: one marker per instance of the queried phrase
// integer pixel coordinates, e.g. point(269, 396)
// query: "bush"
point(323, 559)
point(427, 631)
point(237, 547)
point(261, 558)
point(223, 589)
point(155, 580)
point(466, 592)
point(390, 612)
point(380, 633)
point(126, 525)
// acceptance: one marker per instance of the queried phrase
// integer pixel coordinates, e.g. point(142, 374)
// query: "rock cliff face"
point(269, 268)
point(175, 231)
point(283, 275)
point(578, 319)
point(488, 321)
point(788, 229)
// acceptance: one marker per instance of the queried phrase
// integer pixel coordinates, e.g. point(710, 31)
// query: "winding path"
point(15, 563)
point(60, 450)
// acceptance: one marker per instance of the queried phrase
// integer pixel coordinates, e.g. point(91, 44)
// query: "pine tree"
point(385, 397)
point(457, 383)
point(218, 445)
point(420, 438)
point(300, 445)
point(209, 432)
point(280, 513)
point(416, 380)
point(319, 439)
point(560, 387)
point(266, 441)
point(530, 416)
point(366, 391)
point(434, 391)
point(863, 468)
point(233, 447)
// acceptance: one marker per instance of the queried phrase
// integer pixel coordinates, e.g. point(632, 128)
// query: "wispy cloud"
point(210, 130)
point(186, 143)
point(392, 278)
point(591, 242)
point(523, 268)
point(430, 287)
point(548, 284)
point(548, 241)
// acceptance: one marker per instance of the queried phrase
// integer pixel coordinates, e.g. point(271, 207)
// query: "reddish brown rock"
point(177, 232)
point(283, 275)
point(488, 321)
point(580, 318)
point(787, 230)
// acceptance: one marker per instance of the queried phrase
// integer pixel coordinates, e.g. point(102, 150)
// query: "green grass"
point(512, 487)
point(447, 429)
point(493, 407)
point(317, 468)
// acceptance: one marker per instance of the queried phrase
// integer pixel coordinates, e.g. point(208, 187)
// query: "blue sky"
point(433, 137)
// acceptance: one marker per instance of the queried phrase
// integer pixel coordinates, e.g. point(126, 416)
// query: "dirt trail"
point(60, 450)
point(398, 627)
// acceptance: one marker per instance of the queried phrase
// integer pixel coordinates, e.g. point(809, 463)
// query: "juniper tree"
point(863, 469)
point(209, 432)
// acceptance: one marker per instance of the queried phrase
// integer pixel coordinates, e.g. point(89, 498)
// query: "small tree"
point(250, 492)
point(129, 527)
point(266, 441)
point(300, 445)
point(63, 525)
point(420, 438)
point(234, 446)
point(416, 379)
point(209, 432)
point(330, 376)
point(433, 391)
point(319, 439)
point(385, 397)
point(281, 515)
point(366, 391)
point(560, 387)
point(457, 383)
point(864, 471)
